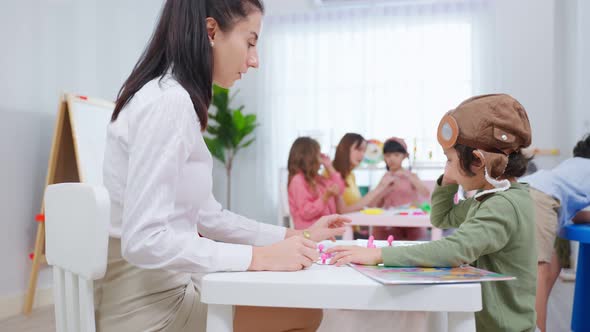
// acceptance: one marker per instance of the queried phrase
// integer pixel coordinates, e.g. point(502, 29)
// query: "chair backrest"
point(284, 212)
point(76, 220)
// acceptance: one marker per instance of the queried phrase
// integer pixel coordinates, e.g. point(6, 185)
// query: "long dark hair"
point(342, 157)
point(180, 42)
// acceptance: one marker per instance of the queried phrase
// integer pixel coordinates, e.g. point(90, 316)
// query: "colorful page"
point(425, 275)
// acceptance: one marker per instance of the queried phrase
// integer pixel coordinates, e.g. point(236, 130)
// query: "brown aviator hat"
point(496, 125)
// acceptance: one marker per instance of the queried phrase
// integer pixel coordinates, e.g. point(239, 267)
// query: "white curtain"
point(381, 71)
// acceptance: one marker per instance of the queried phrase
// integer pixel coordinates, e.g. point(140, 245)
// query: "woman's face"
point(234, 51)
point(357, 153)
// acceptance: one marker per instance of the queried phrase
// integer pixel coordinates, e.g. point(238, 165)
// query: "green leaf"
point(216, 148)
point(228, 126)
point(247, 144)
point(239, 121)
point(220, 98)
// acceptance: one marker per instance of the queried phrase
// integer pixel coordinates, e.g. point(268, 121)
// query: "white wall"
point(81, 46)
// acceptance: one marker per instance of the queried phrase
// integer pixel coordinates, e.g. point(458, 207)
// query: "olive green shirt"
point(495, 234)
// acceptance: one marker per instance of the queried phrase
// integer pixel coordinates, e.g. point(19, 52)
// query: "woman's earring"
point(212, 43)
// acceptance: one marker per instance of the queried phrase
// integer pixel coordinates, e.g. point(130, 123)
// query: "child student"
point(559, 195)
point(407, 188)
point(311, 195)
point(482, 139)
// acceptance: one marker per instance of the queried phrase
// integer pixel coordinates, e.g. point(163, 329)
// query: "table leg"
point(220, 318)
point(348, 233)
point(435, 234)
point(582, 290)
point(461, 322)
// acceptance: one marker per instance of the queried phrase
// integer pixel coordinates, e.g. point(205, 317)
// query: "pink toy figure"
point(390, 239)
point(324, 257)
point(321, 248)
point(370, 243)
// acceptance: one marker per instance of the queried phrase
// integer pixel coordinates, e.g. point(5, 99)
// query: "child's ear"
point(477, 164)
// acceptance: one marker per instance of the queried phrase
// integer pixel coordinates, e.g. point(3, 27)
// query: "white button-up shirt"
point(158, 172)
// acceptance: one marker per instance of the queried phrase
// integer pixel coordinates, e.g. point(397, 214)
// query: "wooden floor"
point(560, 311)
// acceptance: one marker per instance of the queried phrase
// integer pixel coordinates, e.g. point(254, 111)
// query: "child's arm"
point(308, 205)
point(445, 213)
point(419, 185)
point(487, 232)
point(372, 198)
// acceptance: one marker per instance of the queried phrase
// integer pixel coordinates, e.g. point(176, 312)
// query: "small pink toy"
point(321, 248)
point(390, 239)
point(324, 257)
point(370, 243)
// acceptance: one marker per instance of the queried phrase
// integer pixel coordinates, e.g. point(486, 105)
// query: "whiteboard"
point(89, 119)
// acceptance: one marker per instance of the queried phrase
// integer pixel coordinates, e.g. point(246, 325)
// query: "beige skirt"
point(132, 299)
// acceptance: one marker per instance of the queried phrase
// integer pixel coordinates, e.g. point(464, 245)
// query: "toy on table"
point(370, 244)
point(390, 240)
point(372, 211)
point(426, 207)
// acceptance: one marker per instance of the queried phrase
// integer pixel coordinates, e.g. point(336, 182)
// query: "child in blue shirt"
point(559, 195)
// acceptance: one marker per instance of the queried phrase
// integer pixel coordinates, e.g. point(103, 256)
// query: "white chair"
point(76, 220)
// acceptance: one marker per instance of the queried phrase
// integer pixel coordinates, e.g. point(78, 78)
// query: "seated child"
point(482, 139)
point(559, 196)
point(407, 189)
point(311, 195)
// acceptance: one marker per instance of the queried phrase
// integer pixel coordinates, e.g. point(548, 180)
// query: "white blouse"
point(158, 172)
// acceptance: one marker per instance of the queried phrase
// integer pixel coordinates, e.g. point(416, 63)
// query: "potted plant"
point(229, 132)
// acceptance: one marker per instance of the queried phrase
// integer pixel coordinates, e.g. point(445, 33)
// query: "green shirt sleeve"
point(487, 231)
point(445, 213)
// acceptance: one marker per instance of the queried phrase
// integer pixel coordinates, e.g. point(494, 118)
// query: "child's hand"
point(325, 160)
point(447, 178)
point(354, 254)
point(334, 190)
point(387, 180)
point(328, 227)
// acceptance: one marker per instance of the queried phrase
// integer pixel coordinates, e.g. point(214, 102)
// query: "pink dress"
point(306, 205)
point(402, 193)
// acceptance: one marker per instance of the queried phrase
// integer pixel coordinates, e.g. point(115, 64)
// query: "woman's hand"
point(292, 254)
point(328, 227)
point(355, 254)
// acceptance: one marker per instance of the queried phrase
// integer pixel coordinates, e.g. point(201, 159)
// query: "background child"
point(349, 154)
point(482, 139)
point(407, 188)
point(311, 195)
point(559, 194)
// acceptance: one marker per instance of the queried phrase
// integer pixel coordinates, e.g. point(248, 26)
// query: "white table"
point(390, 218)
point(330, 287)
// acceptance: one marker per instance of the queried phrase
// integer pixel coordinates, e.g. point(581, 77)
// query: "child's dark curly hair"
point(517, 162)
point(582, 148)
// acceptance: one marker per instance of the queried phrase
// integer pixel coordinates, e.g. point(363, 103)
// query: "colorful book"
point(425, 275)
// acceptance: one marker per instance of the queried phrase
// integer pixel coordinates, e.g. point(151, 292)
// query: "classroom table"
point(330, 287)
point(390, 218)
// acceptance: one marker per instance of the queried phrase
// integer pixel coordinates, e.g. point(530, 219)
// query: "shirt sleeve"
point(445, 213)
point(307, 204)
point(161, 137)
point(223, 225)
point(486, 232)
